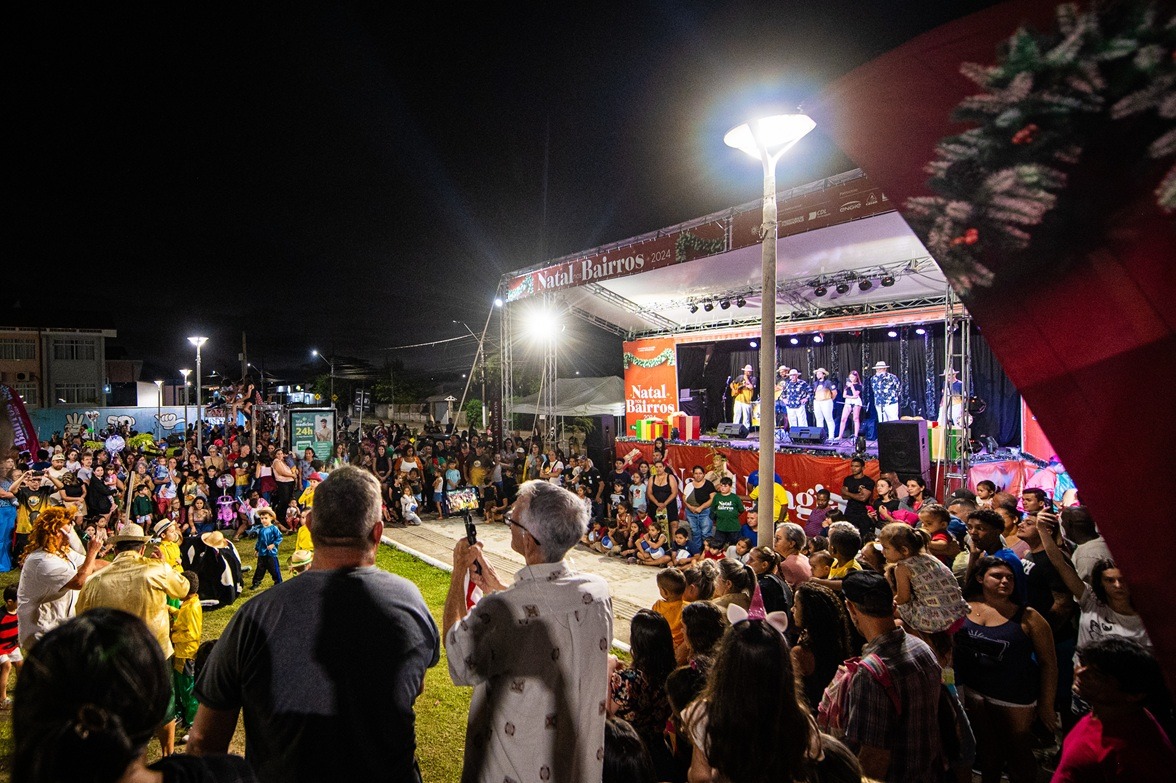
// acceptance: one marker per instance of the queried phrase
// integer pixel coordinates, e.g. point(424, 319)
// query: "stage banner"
point(803, 474)
point(1035, 163)
point(651, 380)
point(312, 428)
point(24, 434)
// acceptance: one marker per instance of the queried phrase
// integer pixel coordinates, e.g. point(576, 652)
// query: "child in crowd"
point(582, 494)
point(597, 530)
point(844, 544)
point(615, 498)
point(821, 562)
point(414, 481)
point(168, 533)
point(671, 583)
point(985, 490)
point(681, 552)
point(175, 511)
point(727, 508)
point(187, 627)
point(652, 547)
point(10, 657)
point(628, 533)
point(141, 506)
point(293, 519)
point(269, 538)
point(306, 499)
point(408, 506)
point(490, 498)
point(927, 594)
point(302, 539)
point(740, 550)
point(300, 561)
point(815, 544)
point(934, 519)
point(637, 494)
point(439, 495)
point(712, 549)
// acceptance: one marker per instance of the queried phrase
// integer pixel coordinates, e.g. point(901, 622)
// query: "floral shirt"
point(647, 709)
point(885, 388)
point(797, 393)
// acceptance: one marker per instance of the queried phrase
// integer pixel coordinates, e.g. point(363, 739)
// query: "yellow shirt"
point(303, 540)
point(781, 498)
point(171, 554)
point(187, 628)
point(841, 571)
point(306, 499)
point(137, 585)
point(672, 611)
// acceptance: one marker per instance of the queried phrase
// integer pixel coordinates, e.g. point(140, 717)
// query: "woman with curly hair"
point(824, 641)
point(637, 692)
point(51, 575)
point(748, 725)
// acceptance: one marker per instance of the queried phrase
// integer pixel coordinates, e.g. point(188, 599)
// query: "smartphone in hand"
point(472, 536)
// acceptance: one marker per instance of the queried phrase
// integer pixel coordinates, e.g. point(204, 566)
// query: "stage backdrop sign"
point(312, 428)
point(651, 380)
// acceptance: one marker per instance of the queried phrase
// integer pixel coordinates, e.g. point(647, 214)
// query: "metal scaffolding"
point(956, 452)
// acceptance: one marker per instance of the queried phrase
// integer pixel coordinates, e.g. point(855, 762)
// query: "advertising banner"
point(24, 435)
point(651, 380)
point(73, 421)
point(312, 428)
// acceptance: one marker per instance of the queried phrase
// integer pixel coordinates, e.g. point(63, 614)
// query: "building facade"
point(55, 367)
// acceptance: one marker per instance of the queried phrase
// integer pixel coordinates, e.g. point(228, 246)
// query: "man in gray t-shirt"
point(326, 666)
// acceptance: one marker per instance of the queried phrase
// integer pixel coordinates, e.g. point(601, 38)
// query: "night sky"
point(351, 180)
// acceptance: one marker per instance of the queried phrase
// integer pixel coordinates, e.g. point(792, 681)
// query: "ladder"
point(955, 456)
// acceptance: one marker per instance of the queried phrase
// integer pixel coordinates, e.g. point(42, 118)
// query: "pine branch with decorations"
point(1043, 102)
point(692, 242)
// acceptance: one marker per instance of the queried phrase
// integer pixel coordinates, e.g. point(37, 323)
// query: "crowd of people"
point(889, 637)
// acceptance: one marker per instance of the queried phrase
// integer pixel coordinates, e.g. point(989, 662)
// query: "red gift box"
point(689, 427)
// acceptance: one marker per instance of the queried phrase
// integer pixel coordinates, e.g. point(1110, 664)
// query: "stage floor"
point(833, 448)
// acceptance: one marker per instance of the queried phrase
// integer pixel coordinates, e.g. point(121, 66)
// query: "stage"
point(834, 448)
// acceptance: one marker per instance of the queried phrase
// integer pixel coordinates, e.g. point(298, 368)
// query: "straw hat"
point(215, 539)
point(161, 526)
point(301, 558)
point(794, 371)
point(747, 368)
point(266, 511)
point(881, 366)
point(131, 532)
point(820, 371)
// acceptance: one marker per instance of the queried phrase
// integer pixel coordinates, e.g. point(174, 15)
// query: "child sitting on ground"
point(740, 550)
point(712, 549)
point(187, 627)
point(671, 583)
point(651, 549)
point(681, 551)
point(408, 505)
point(821, 562)
point(9, 644)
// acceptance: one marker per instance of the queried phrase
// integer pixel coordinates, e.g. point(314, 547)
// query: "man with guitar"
point(781, 411)
point(743, 391)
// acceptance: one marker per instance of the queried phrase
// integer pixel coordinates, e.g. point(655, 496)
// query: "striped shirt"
point(9, 637)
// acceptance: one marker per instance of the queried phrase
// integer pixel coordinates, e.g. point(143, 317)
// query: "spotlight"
point(708, 306)
point(887, 281)
point(693, 307)
point(820, 290)
point(920, 331)
point(892, 333)
point(740, 302)
point(754, 344)
point(794, 341)
point(865, 285)
point(843, 288)
point(725, 304)
point(818, 338)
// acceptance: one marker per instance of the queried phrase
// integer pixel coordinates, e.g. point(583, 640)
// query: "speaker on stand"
point(903, 448)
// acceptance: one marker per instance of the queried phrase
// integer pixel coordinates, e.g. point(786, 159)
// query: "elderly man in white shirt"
point(536, 652)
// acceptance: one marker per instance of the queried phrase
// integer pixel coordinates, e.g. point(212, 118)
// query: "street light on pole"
point(185, 373)
point(198, 342)
point(767, 139)
point(159, 406)
point(330, 363)
point(480, 355)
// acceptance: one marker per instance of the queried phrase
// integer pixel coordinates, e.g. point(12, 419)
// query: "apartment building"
point(51, 367)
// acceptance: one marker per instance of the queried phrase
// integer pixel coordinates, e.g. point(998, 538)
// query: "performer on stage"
point(824, 391)
point(781, 410)
point(796, 394)
point(852, 397)
point(951, 406)
point(743, 391)
point(885, 385)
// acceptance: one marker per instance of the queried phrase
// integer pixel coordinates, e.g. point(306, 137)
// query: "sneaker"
point(246, 569)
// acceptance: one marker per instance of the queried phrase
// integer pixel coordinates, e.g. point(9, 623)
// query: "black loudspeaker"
point(731, 428)
point(806, 434)
point(902, 448)
point(692, 402)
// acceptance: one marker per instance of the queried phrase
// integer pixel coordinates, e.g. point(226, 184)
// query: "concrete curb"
point(448, 568)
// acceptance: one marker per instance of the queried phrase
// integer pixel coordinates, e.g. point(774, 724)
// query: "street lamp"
point(159, 406)
point(767, 139)
point(198, 342)
point(330, 363)
point(185, 373)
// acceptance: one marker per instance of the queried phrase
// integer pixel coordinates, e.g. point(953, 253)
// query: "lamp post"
point(767, 139)
point(198, 342)
point(479, 356)
point(330, 363)
point(185, 373)
point(159, 406)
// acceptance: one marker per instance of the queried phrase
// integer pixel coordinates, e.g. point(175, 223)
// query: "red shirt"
point(1125, 748)
point(8, 632)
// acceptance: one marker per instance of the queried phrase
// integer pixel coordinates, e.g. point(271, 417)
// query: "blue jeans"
point(702, 527)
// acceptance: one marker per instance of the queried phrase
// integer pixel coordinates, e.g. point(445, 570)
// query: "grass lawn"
point(441, 709)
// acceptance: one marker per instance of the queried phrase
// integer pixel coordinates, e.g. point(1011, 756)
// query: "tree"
point(473, 412)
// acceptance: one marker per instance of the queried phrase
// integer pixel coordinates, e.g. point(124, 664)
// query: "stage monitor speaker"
point(731, 428)
point(692, 402)
point(806, 434)
point(903, 449)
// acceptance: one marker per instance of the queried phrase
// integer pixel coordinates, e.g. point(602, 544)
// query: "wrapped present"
point(651, 429)
point(688, 427)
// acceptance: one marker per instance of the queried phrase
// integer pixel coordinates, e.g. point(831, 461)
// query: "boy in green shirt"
point(727, 508)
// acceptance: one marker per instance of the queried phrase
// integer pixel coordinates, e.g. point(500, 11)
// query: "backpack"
point(834, 707)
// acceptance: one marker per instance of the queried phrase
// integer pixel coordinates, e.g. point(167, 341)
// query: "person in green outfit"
point(728, 508)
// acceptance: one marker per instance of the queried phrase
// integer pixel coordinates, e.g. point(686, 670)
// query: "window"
point(15, 349)
point(28, 393)
point(75, 393)
point(73, 349)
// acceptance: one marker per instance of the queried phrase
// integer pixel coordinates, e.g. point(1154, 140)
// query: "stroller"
point(226, 513)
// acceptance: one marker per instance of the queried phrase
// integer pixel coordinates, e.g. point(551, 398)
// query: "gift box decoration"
point(688, 427)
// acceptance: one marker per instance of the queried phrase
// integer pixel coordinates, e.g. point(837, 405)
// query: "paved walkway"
point(633, 587)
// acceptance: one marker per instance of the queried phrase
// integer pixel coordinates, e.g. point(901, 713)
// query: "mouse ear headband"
point(778, 620)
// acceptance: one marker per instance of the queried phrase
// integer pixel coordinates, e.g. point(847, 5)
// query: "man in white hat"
point(951, 407)
point(140, 586)
point(885, 386)
point(824, 393)
point(797, 393)
point(743, 392)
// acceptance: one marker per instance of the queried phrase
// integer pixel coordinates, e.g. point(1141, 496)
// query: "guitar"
point(741, 383)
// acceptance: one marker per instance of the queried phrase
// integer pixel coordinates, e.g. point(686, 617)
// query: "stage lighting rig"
point(818, 338)
point(740, 302)
point(725, 304)
point(709, 306)
point(887, 281)
point(865, 285)
point(693, 307)
point(843, 288)
point(820, 290)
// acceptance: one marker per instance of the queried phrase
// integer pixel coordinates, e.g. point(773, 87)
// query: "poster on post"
point(312, 428)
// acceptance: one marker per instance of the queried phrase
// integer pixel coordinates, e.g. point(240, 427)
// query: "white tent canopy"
point(582, 397)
